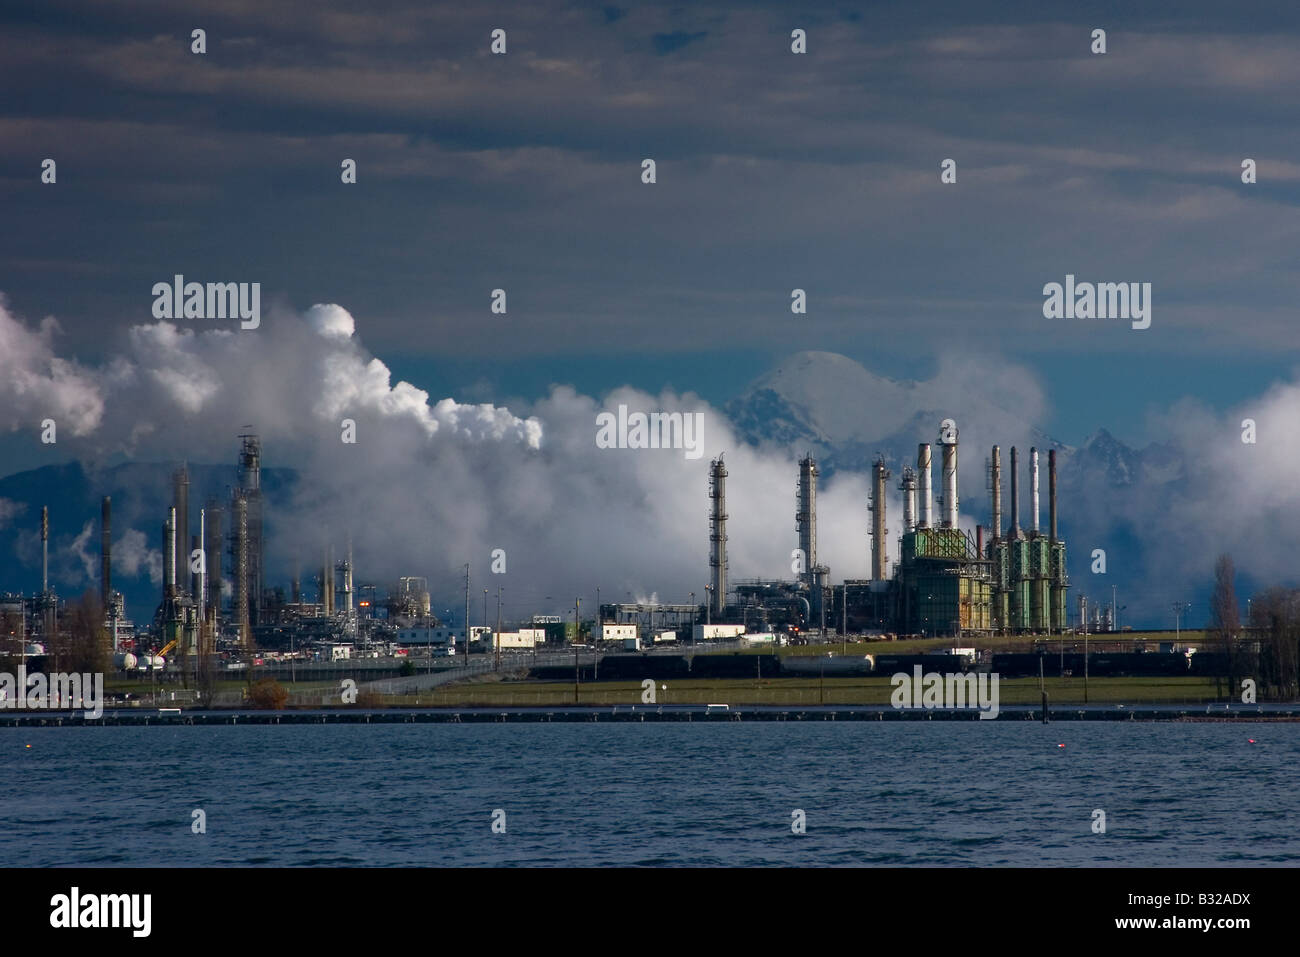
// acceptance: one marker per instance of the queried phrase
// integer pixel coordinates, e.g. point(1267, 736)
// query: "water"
point(878, 793)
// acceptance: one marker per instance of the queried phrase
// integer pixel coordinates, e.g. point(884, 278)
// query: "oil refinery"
point(1005, 578)
point(945, 582)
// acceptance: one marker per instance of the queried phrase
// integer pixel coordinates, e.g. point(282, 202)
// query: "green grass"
point(923, 645)
point(796, 692)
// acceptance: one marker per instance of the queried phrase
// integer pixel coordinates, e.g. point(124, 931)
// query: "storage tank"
point(124, 661)
point(34, 648)
point(151, 662)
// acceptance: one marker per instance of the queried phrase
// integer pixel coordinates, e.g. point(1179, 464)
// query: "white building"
point(714, 632)
point(435, 637)
point(526, 638)
point(626, 635)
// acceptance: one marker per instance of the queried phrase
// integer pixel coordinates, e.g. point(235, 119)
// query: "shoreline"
point(628, 713)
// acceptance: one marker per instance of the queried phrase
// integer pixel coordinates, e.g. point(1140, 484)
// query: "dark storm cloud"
point(775, 171)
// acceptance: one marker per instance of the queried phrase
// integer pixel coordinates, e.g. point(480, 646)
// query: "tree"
point(82, 642)
point(1276, 616)
point(1225, 622)
point(268, 694)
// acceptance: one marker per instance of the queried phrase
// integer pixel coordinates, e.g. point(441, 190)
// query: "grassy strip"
point(920, 646)
point(794, 692)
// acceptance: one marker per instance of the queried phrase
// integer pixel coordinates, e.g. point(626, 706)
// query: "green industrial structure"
point(948, 583)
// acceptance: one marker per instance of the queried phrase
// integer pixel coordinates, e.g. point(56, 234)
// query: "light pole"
point(1178, 608)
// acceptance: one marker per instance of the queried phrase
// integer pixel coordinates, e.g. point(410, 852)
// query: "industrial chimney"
point(908, 488)
point(806, 516)
point(181, 524)
point(1051, 493)
point(106, 554)
point(996, 483)
point(1015, 493)
point(927, 499)
point(169, 554)
point(212, 533)
point(1033, 490)
point(45, 550)
point(948, 439)
point(241, 568)
point(718, 537)
point(878, 531)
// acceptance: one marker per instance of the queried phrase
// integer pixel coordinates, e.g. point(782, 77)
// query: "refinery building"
point(1003, 579)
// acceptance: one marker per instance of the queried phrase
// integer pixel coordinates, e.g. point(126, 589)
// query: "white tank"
point(125, 661)
point(154, 662)
point(34, 648)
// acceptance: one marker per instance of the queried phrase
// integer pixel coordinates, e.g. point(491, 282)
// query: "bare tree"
point(1276, 616)
point(83, 639)
point(1225, 621)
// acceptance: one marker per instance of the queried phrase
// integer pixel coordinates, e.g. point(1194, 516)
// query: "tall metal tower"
point(948, 440)
point(718, 536)
point(240, 561)
point(806, 516)
point(908, 487)
point(212, 539)
point(880, 475)
point(181, 502)
point(250, 485)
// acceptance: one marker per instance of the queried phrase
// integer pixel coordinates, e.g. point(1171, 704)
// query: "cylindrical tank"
point(152, 662)
point(125, 661)
point(34, 648)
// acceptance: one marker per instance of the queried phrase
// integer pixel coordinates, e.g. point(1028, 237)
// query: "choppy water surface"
point(887, 793)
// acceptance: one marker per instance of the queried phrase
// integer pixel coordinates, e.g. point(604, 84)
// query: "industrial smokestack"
point(806, 515)
point(241, 568)
point(1015, 493)
point(1033, 489)
point(996, 482)
point(927, 498)
point(908, 488)
point(45, 549)
point(169, 554)
point(979, 540)
point(106, 553)
point(196, 576)
point(212, 533)
point(948, 439)
point(718, 537)
point(181, 524)
point(878, 530)
point(201, 594)
point(347, 583)
point(1051, 493)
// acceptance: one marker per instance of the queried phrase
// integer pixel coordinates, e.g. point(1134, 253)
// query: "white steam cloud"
point(429, 486)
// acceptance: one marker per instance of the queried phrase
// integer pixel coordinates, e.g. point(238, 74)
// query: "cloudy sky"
point(523, 172)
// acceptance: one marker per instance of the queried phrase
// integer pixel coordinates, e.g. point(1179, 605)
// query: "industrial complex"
point(1005, 578)
point(945, 582)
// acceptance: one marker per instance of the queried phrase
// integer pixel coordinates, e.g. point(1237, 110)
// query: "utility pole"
point(498, 631)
